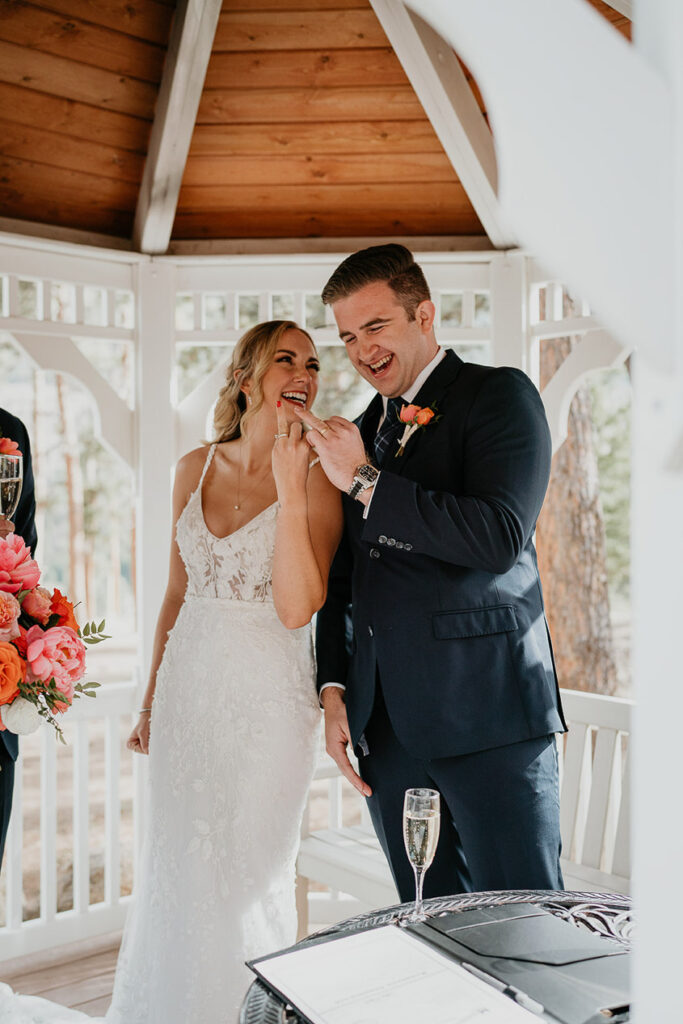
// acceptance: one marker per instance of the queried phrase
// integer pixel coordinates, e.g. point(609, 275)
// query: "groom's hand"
point(338, 444)
point(337, 737)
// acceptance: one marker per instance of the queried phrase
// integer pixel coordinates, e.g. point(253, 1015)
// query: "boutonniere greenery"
point(414, 418)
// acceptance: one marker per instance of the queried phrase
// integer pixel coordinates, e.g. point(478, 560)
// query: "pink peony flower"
point(38, 604)
point(57, 652)
point(10, 610)
point(8, 447)
point(18, 571)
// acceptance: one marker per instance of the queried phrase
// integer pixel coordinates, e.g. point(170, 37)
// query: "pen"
point(507, 990)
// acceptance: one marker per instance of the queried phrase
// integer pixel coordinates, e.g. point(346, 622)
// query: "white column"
point(155, 445)
point(509, 311)
point(657, 568)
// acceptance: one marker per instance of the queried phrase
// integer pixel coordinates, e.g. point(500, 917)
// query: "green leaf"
point(101, 626)
point(86, 629)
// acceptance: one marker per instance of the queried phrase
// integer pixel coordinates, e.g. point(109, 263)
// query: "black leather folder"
point(573, 973)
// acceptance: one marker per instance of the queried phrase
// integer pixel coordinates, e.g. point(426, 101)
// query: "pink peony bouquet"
point(42, 648)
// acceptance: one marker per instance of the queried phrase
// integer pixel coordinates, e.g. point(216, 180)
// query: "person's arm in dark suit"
point(506, 457)
point(334, 636)
point(24, 517)
point(334, 631)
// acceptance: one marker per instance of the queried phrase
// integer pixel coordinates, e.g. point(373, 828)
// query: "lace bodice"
point(238, 566)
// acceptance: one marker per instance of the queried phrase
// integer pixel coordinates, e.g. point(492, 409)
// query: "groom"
point(434, 658)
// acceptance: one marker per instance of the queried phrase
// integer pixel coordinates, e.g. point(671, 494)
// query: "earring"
point(248, 399)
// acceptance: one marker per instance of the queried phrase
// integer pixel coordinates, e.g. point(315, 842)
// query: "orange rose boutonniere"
point(414, 417)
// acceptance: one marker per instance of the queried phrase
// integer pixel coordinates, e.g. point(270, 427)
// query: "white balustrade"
point(86, 918)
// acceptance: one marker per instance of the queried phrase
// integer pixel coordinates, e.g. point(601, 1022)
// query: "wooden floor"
point(80, 976)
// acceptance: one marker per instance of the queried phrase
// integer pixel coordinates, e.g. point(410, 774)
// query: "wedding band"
point(281, 435)
point(323, 430)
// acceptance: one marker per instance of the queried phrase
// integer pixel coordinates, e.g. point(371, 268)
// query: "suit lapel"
point(431, 393)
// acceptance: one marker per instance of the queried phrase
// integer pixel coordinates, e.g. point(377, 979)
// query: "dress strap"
point(207, 463)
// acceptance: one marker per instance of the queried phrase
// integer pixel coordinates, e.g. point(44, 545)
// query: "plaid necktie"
point(389, 430)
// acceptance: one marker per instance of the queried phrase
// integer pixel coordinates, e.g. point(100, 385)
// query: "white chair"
point(595, 799)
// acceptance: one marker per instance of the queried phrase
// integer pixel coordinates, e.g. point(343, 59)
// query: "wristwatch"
point(363, 478)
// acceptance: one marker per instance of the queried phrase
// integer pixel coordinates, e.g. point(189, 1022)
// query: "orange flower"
point(12, 670)
point(408, 413)
point(424, 416)
point(60, 606)
point(20, 641)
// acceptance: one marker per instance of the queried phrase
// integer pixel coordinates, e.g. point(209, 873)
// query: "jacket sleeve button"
point(407, 547)
point(399, 545)
point(382, 539)
point(391, 542)
point(374, 553)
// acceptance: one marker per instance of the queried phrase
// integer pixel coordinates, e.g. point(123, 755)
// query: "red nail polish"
point(279, 404)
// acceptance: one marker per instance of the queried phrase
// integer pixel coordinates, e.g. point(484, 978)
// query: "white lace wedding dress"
point(233, 747)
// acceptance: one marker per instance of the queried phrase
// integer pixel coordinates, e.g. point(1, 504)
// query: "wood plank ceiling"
point(78, 85)
point(307, 125)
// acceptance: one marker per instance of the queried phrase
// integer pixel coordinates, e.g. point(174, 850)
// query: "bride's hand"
point(138, 741)
point(291, 457)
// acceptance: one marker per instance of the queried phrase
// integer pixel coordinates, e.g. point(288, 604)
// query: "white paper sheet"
point(386, 976)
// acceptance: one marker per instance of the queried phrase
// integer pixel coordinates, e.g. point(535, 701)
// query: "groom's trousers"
point(500, 826)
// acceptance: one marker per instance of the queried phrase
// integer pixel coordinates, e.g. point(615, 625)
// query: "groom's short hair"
point(392, 263)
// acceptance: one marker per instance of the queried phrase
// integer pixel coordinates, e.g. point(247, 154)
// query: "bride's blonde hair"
point(252, 358)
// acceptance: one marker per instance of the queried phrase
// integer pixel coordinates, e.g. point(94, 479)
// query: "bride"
point(230, 717)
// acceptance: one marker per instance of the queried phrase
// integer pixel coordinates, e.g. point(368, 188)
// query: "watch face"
point(368, 474)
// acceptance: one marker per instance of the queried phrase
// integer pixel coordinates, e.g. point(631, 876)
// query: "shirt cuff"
point(340, 686)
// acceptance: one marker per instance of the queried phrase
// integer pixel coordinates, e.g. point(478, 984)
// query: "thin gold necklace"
point(262, 477)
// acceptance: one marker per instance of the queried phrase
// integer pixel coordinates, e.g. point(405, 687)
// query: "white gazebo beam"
point(114, 420)
point(598, 350)
point(443, 90)
point(624, 7)
point(187, 58)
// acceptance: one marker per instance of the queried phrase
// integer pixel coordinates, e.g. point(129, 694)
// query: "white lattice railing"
point(110, 714)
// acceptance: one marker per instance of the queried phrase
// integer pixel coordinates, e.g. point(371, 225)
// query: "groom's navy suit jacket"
point(437, 591)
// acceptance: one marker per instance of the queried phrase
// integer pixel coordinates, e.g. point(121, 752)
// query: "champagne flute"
point(11, 476)
point(421, 822)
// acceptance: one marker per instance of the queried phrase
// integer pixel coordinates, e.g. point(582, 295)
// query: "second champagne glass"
point(421, 822)
point(11, 476)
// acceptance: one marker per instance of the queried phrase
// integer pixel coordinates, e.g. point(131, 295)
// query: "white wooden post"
point(155, 458)
point(657, 515)
point(657, 565)
point(155, 444)
point(509, 311)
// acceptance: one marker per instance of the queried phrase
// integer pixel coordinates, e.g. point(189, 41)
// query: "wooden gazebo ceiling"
point(307, 126)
